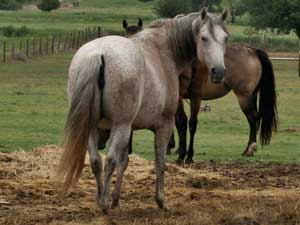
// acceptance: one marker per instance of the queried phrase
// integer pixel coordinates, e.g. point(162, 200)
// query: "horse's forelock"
point(212, 21)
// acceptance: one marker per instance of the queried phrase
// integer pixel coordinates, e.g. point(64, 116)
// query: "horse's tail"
point(267, 100)
point(84, 114)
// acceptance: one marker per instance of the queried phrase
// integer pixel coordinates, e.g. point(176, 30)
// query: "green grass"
point(33, 109)
point(105, 13)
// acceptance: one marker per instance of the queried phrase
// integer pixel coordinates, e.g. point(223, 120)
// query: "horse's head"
point(211, 36)
point(131, 30)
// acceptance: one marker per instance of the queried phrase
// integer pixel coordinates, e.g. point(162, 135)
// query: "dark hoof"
point(247, 153)
point(179, 162)
point(189, 161)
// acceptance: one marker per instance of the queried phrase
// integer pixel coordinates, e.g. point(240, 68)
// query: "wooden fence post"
point(21, 45)
point(85, 35)
point(41, 46)
point(59, 42)
point(13, 50)
point(53, 44)
point(33, 47)
point(77, 41)
point(66, 41)
point(4, 51)
point(47, 46)
point(27, 48)
point(98, 32)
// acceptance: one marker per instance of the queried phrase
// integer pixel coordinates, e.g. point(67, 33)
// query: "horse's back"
point(243, 68)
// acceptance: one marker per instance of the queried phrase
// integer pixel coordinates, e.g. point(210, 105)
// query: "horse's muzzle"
point(217, 74)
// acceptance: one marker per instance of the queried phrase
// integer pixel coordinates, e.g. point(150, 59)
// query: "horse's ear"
point(140, 23)
point(203, 13)
point(224, 15)
point(125, 25)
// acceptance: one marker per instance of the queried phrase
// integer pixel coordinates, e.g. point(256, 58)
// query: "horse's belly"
point(150, 111)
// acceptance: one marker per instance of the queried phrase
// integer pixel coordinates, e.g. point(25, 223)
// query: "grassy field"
point(105, 13)
point(33, 109)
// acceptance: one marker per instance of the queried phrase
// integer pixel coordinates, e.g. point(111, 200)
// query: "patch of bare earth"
point(204, 193)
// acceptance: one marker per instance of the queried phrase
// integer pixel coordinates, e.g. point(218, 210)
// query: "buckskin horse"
point(122, 84)
point(249, 71)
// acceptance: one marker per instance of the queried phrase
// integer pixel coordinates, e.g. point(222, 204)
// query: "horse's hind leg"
point(249, 107)
point(96, 161)
point(117, 156)
point(181, 125)
point(162, 137)
point(195, 107)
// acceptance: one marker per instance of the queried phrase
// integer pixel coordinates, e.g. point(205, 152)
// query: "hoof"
point(250, 150)
point(189, 161)
point(160, 202)
point(104, 207)
point(179, 162)
point(115, 202)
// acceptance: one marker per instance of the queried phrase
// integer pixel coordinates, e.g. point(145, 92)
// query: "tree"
point(235, 7)
point(48, 5)
point(171, 8)
point(198, 4)
point(281, 14)
point(9, 5)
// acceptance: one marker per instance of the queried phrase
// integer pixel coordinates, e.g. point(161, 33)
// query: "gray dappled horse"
point(120, 84)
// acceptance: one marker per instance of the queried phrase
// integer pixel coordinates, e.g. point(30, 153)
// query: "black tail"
point(267, 100)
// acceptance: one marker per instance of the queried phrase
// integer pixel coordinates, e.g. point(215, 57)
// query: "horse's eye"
point(204, 39)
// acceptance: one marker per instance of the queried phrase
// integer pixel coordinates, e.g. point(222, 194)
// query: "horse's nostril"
point(213, 70)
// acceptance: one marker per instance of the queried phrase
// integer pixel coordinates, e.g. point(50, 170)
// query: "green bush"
point(48, 5)
point(250, 31)
point(171, 8)
point(9, 5)
point(11, 31)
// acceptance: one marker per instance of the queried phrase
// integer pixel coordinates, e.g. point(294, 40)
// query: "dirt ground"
point(204, 193)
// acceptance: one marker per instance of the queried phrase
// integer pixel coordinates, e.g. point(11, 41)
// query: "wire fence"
point(24, 49)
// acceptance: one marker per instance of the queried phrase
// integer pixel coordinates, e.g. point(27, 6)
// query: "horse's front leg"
point(195, 104)
point(249, 107)
point(181, 125)
point(162, 137)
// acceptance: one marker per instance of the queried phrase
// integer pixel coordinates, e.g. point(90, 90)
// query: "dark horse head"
point(131, 30)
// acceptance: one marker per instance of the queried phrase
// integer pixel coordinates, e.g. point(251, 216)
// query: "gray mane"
point(181, 38)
